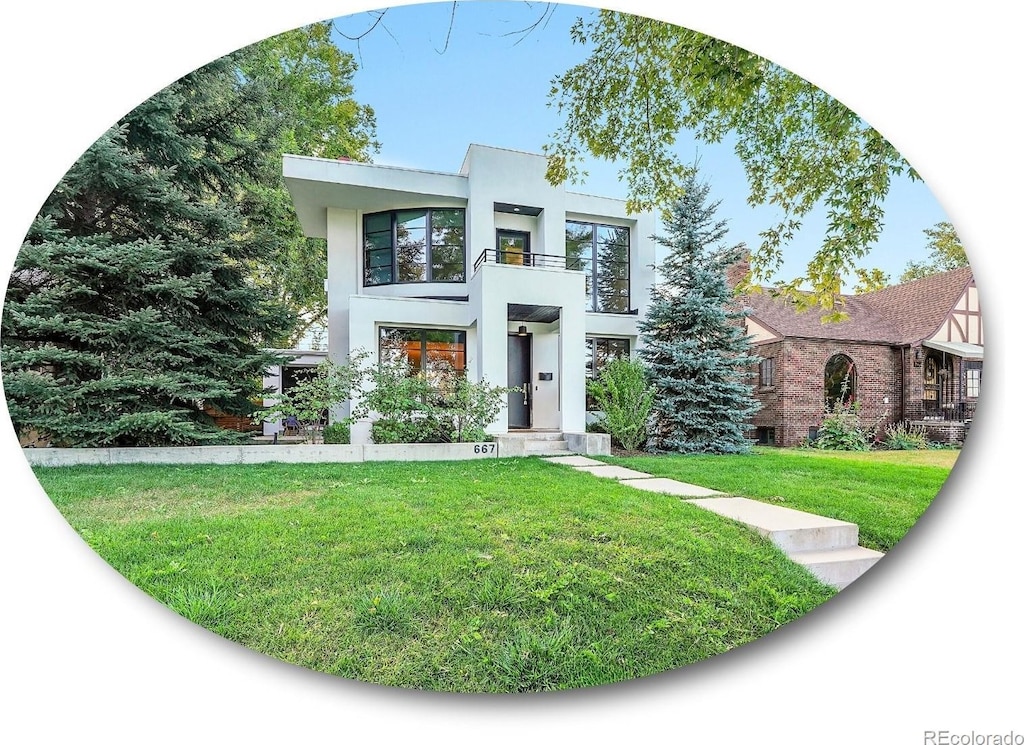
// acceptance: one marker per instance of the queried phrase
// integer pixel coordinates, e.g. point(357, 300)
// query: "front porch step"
point(547, 447)
point(839, 566)
point(532, 435)
point(532, 442)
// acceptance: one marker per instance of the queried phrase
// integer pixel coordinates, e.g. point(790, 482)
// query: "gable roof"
point(901, 314)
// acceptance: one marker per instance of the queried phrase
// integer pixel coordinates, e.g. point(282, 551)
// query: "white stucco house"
point(490, 269)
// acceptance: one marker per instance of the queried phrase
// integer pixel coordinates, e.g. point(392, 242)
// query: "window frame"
point(851, 373)
point(594, 273)
point(591, 370)
point(972, 379)
point(423, 332)
point(767, 371)
point(429, 247)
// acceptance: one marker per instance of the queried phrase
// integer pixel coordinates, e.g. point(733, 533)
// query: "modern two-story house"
point(490, 269)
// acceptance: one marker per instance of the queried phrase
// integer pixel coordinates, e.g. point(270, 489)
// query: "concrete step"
point(547, 447)
point(536, 435)
point(837, 567)
point(790, 530)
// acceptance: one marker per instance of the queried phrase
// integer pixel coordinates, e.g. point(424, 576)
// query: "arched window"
point(840, 380)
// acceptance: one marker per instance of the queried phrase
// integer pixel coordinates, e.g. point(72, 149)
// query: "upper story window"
point(767, 369)
point(602, 253)
point(417, 245)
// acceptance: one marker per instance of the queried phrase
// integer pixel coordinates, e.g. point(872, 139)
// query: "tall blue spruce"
point(693, 337)
point(131, 308)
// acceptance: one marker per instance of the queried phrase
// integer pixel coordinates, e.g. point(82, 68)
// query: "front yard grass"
point(884, 492)
point(478, 576)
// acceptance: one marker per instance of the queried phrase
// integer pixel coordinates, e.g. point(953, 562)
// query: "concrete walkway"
point(827, 548)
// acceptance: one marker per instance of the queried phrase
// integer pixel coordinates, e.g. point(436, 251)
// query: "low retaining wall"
point(230, 454)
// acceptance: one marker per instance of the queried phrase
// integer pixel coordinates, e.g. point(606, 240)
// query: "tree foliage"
point(693, 337)
point(945, 250)
point(412, 406)
point(869, 280)
point(624, 395)
point(312, 399)
point(130, 307)
point(310, 87)
point(645, 81)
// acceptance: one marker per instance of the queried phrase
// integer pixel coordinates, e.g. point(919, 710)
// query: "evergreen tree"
point(693, 339)
point(131, 306)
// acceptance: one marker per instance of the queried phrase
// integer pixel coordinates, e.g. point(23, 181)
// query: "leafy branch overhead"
point(645, 81)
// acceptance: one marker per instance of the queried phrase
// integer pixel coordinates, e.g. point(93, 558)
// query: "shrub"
point(841, 429)
point(310, 400)
point(625, 397)
point(443, 406)
point(338, 433)
point(905, 436)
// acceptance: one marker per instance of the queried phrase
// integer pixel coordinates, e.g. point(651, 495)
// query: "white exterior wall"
point(332, 197)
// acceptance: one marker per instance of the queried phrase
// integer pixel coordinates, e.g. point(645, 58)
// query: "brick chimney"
point(739, 269)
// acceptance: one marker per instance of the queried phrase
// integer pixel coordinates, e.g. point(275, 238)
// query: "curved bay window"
point(415, 245)
point(840, 380)
point(601, 252)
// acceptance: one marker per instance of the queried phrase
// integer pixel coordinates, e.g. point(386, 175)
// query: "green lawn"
point(884, 492)
point(492, 575)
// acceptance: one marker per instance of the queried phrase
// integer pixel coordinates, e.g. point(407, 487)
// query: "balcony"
point(520, 258)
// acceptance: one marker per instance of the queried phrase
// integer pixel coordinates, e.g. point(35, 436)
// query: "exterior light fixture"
point(522, 331)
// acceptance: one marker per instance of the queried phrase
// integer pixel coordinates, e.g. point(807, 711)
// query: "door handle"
point(526, 393)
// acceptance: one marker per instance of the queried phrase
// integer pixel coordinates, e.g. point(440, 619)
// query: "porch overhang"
point(959, 349)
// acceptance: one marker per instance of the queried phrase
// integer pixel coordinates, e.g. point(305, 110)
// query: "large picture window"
point(431, 351)
point(601, 252)
point(416, 245)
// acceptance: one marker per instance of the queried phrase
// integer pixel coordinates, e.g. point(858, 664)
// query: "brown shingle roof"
point(901, 314)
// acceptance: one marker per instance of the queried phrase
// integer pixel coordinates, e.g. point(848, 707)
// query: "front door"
point(519, 375)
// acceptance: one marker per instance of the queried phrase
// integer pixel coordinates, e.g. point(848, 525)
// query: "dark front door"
point(519, 375)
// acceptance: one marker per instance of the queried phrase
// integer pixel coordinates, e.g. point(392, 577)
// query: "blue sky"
point(436, 93)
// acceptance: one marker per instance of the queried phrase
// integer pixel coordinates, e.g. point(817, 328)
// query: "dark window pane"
point(378, 258)
point(377, 240)
point(401, 345)
point(579, 240)
point(448, 226)
point(449, 272)
point(377, 223)
point(840, 380)
point(377, 275)
point(612, 236)
point(411, 257)
point(411, 220)
point(613, 303)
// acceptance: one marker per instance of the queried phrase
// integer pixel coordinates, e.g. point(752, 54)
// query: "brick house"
point(911, 352)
